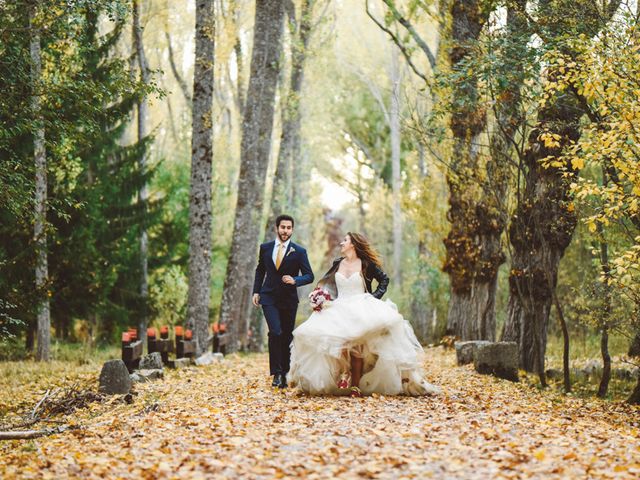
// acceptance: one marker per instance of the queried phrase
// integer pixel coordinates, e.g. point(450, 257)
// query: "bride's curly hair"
point(364, 250)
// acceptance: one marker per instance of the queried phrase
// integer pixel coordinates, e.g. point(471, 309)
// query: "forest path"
point(225, 421)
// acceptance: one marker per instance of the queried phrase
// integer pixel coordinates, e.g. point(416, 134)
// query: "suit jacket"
point(370, 271)
point(268, 281)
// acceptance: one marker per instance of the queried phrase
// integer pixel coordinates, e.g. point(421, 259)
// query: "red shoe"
point(356, 392)
point(345, 381)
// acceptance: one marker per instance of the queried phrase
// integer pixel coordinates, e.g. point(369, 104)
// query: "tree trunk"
point(237, 48)
point(143, 131)
point(634, 348)
point(257, 127)
point(299, 166)
point(40, 213)
point(606, 311)
point(421, 311)
point(174, 69)
point(396, 182)
point(473, 243)
point(606, 363)
point(200, 216)
point(565, 350)
point(29, 341)
point(543, 223)
point(540, 231)
point(288, 187)
point(634, 398)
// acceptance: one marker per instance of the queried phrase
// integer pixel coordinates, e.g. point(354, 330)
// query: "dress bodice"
point(348, 286)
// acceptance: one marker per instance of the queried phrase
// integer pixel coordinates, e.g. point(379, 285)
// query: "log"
point(28, 434)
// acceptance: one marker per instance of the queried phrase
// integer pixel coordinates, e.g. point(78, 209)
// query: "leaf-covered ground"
point(224, 421)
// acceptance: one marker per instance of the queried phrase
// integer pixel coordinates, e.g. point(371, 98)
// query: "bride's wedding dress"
point(357, 323)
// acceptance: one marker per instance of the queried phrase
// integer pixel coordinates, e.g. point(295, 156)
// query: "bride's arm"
point(383, 281)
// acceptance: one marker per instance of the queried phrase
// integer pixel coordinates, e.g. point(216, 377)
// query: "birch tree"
point(257, 126)
point(143, 132)
point(288, 185)
point(40, 213)
point(200, 214)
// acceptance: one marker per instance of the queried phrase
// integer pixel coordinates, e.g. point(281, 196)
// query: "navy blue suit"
point(279, 300)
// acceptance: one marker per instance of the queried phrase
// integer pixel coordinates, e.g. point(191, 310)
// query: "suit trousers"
point(281, 321)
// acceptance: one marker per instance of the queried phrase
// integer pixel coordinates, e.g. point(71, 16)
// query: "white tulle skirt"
point(364, 326)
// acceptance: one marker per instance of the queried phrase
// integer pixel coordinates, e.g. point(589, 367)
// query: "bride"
point(358, 343)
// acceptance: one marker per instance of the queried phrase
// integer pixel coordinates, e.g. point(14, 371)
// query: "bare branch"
point(397, 41)
point(412, 31)
point(28, 434)
point(179, 79)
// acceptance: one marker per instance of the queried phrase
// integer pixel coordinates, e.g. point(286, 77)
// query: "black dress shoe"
point(279, 381)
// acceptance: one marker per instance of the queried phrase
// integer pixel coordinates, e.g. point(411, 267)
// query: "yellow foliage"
point(225, 421)
point(607, 76)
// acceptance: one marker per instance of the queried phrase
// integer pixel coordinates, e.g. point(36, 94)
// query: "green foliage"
point(94, 215)
point(8, 324)
point(169, 296)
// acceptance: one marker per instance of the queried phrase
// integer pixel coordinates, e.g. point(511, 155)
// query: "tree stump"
point(499, 359)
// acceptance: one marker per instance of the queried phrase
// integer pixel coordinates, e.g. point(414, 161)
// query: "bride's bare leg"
point(344, 376)
point(356, 370)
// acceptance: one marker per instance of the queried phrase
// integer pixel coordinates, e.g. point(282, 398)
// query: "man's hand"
point(256, 299)
point(288, 279)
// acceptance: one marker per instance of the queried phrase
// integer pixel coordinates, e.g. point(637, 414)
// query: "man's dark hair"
point(285, 217)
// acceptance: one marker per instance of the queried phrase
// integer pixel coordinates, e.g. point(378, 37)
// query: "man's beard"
point(286, 237)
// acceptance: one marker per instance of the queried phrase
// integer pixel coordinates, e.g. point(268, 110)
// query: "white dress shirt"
point(274, 254)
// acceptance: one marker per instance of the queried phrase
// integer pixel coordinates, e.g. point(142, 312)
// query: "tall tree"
point(287, 184)
point(257, 126)
point(472, 261)
point(544, 221)
point(94, 265)
point(200, 215)
point(396, 181)
point(143, 132)
point(473, 243)
point(40, 214)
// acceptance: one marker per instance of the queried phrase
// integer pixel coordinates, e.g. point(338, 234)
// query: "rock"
point(153, 361)
point(592, 367)
point(465, 351)
point(180, 363)
point(554, 374)
point(579, 374)
point(114, 378)
point(209, 358)
point(499, 359)
point(147, 375)
point(625, 373)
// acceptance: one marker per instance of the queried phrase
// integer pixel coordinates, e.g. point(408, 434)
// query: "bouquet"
point(319, 298)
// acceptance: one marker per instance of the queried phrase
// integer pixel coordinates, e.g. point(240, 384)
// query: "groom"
point(282, 267)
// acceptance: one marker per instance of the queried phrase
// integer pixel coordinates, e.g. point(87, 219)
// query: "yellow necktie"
point(279, 256)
